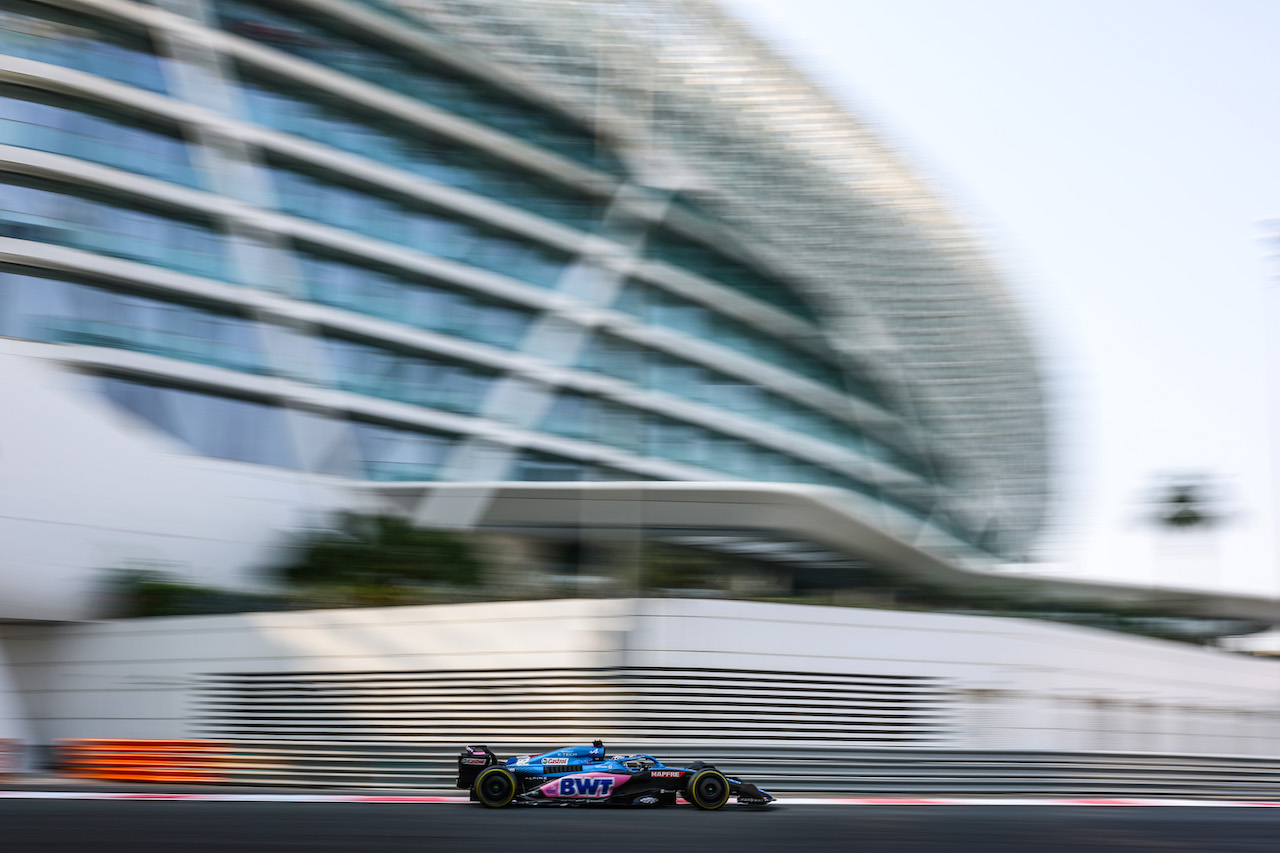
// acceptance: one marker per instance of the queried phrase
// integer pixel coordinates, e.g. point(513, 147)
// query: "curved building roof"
point(706, 110)
point(544, 240)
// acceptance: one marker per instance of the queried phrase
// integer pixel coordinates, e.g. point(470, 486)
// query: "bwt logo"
point(585, 787)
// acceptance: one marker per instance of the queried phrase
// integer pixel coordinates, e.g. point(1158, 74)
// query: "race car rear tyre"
point(708, 789)
point(495, 787)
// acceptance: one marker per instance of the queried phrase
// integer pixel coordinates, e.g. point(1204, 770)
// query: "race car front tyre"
point(708, 789)
point(495, 787)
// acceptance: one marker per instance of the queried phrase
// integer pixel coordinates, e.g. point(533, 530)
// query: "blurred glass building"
point(265, 259)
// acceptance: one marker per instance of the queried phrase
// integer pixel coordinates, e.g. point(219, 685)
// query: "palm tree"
point(1187, 507)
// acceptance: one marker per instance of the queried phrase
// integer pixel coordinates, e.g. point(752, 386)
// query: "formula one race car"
point(581, 775)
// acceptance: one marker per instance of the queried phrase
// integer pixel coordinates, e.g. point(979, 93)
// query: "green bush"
point(380, 551)
point(134, 593)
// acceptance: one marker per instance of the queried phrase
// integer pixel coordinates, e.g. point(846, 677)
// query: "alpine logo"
point(585, 786)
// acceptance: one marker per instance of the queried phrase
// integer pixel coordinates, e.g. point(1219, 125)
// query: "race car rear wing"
point(471, 761)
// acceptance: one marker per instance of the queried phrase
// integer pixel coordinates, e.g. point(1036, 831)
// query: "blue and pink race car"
point(581, 775)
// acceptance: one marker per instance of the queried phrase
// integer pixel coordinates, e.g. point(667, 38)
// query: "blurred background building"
point(588, 276)
point(262, 256)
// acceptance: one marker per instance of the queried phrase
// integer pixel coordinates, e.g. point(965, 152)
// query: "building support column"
point(15, 722)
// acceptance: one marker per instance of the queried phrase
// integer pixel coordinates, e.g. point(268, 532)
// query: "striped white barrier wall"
point(650, 671)
point(666, 705)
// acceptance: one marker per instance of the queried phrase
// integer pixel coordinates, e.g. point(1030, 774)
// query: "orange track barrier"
point(195, 762)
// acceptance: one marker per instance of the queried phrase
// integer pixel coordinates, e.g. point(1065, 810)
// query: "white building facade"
point(657, 672)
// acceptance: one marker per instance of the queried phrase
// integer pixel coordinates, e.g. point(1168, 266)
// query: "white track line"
point(1019, 801)
point(791, 801)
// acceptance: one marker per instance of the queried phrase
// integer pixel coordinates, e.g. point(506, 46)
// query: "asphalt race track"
point(198, 827)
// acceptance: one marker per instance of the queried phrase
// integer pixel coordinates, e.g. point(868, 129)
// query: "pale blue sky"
point(1120, 157)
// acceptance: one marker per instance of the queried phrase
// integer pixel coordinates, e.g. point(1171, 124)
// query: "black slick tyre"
point(708, 789)
point(495, 787)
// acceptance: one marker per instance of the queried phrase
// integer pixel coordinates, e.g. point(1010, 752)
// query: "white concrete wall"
point(13, 715)
point(1016, 684)
point(1019, 684)
point(84, 488)
point(134, 678)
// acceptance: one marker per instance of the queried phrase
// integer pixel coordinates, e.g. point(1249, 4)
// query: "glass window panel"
point(387, 219)
point(98, 226)
point(391, 454)
point(410, 301)
point(663, 309)
point(227, 428)
point(569, 415)
point(52, 310)
point(329, 44)
point(544, 467)
point(143, 401)
point(78, 40)
point(377, 137)
point(34, 305)
point(502, 327)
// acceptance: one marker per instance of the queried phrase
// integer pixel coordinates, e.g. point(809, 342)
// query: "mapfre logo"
point(585, 786)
